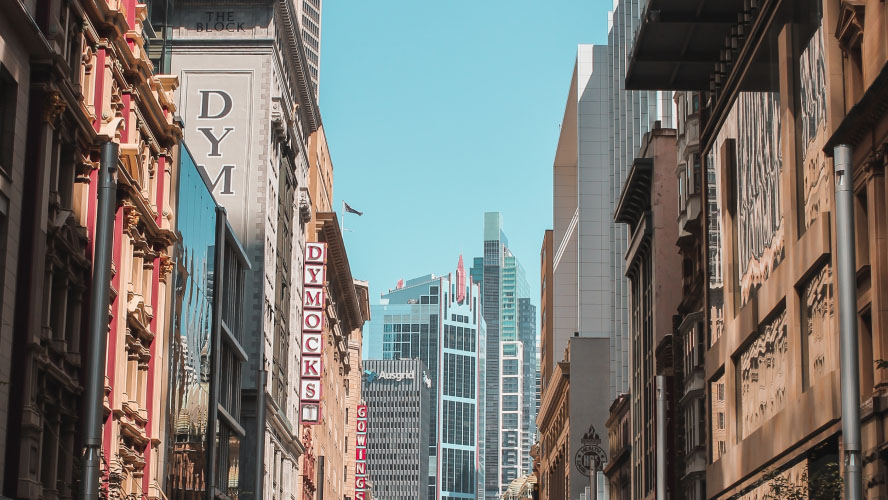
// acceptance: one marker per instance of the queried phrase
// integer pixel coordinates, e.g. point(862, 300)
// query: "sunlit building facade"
point(511, 368)
point(74, 76)
point(439, 321)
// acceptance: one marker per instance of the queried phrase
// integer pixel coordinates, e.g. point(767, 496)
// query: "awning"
point(679, 42)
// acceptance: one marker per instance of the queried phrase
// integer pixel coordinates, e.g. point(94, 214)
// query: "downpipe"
point(846, 278)
point(100, 296)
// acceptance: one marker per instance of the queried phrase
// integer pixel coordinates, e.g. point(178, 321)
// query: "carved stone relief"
point(812, 79)
point(759, 164)
point(719, 417)
point(763, 373)
point(819, 315)
point(812, 111)
point(818, 186)
point(796, 475)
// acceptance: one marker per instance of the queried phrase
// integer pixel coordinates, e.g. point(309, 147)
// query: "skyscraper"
point(511, 359)
point(530, 368)
point(396, 393)
point(309, 15)
point(438, 320)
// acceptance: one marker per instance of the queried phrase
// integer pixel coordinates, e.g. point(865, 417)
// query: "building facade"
point(205, 354)
point(569, 435)
point(308, 13)
point(511, 370)
point(619, 436)
point(653, 270)
point(700, 285)
point(527, 335)
point(346, 308)
point(439, 321)
point(547, 316)
point(397, 393)
point(74, 77)
point(814, 74)
point(249, 113)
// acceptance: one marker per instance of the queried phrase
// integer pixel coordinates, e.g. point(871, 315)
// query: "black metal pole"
point(100, 296)
point(215, 356)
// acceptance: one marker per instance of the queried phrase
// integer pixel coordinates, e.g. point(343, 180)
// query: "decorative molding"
point(53, 108)
point(849, 29)
point(763, 375)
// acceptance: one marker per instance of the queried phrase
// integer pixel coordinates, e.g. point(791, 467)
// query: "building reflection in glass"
point(191, 352)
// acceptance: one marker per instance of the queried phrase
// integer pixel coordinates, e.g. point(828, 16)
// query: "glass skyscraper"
point(511, 359)
point(438, 320)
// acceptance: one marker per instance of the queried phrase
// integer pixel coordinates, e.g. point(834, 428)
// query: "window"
point(510, 384)
point(510, 403)
point(510, 367)
point(8, 91)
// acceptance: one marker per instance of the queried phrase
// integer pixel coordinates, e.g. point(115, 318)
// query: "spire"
point(460, 280)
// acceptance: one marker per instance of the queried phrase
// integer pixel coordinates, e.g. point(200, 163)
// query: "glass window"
point(510, 367)
point(510, 403)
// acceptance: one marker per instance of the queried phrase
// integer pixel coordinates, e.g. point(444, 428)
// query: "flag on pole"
point(350, 210)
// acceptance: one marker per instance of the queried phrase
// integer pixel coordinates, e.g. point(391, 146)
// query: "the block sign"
point(312, 331)
point(361, 454)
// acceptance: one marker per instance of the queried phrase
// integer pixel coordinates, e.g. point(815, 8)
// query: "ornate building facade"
point(346, 308)
point(249, 112)
point(77, 75)
point(652, 268)
point(793, 80)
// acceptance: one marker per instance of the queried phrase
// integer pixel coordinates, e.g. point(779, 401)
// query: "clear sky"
point(436, 112)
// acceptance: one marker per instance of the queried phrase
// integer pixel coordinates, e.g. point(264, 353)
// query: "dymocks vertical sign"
point(313, 300)
point(361, 454)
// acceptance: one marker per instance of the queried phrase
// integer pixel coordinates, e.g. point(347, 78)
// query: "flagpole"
point(343, 218)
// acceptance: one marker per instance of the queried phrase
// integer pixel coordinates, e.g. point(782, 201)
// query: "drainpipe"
point(846, 278)
point(661, 437)
point(100, 296)
point(260, 432)
point(320, 483)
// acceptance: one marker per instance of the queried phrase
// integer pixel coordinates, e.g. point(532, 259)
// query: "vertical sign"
point(313, 300)
point(361, 454)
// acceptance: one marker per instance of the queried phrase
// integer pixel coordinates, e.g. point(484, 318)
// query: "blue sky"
point(436, 112)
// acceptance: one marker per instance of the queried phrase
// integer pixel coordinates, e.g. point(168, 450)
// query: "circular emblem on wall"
point(591, 453)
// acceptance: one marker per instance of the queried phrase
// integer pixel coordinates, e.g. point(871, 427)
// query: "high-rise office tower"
point(511, 364)
point(530, 367)
point(309, 15)
point(438, 320)
point(397, 395)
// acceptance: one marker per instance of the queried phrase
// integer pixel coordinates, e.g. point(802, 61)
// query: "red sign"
point(313, 302)
point(361, 452)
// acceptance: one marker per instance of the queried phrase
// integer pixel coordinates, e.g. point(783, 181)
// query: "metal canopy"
point(679, 42)
point(636, 196)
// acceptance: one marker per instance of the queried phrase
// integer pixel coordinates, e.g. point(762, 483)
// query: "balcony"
point(679, 43)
